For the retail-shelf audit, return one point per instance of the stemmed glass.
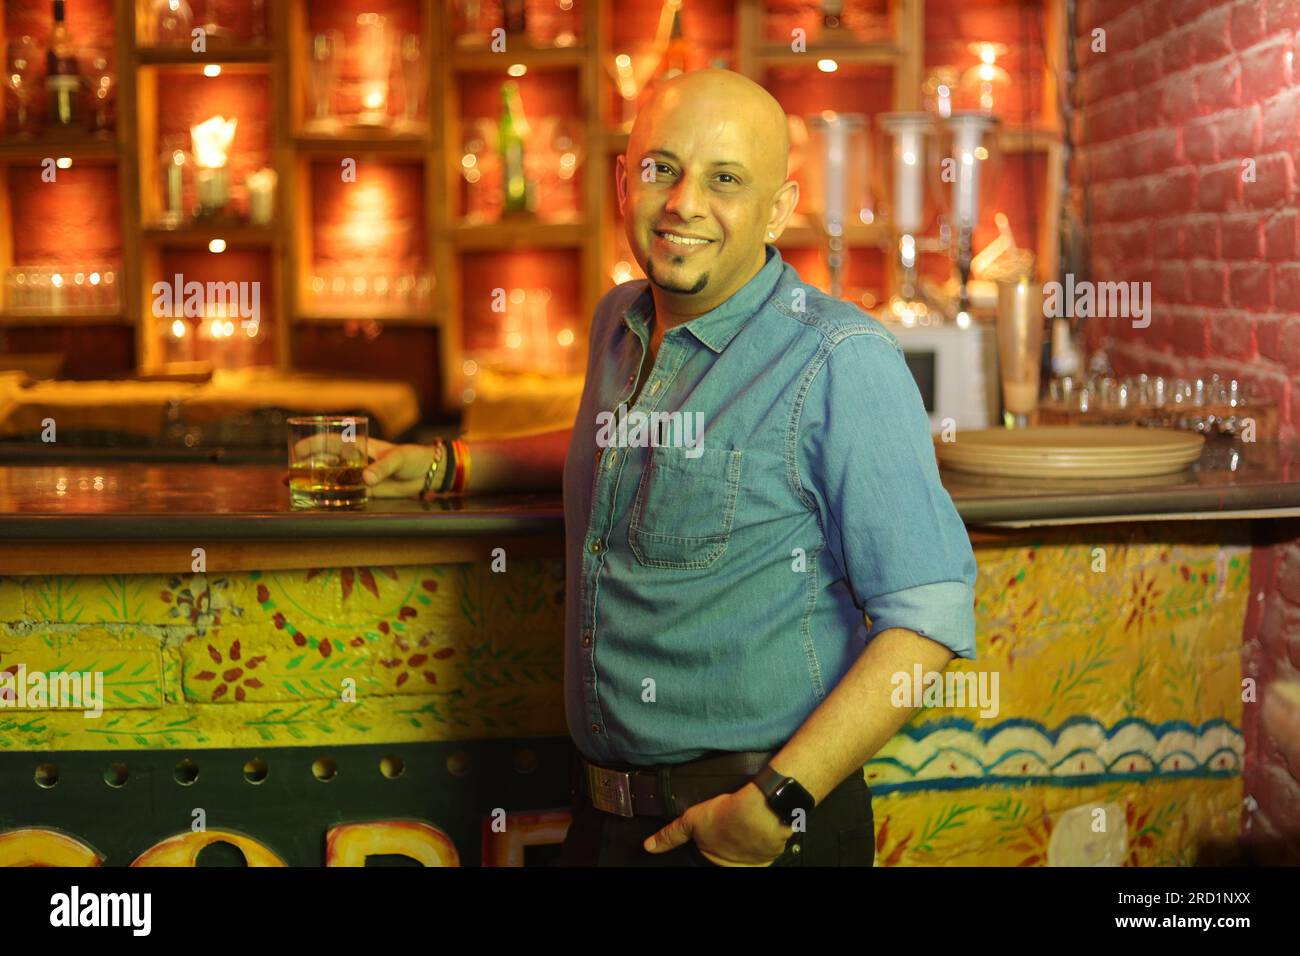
(23, 58)
(631, 72)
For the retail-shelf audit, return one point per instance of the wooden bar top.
(174, 501)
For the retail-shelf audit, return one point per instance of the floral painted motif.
(349, 575)
(237, 673)
(416, 660)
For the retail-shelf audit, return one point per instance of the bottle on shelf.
(62, 77)
(832, 11)
(519, 192)
(514, 17)
(677, 56)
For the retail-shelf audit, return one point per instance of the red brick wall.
(1186, 92)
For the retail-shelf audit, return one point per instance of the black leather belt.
(668, 789)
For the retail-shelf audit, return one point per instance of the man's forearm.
(857, 718)
(529, 463)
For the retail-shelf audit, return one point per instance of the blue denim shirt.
(716, 586)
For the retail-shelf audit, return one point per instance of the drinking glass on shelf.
(326, 50)
(553, 23)
(480, 166)
(405, 289)
(567, 152)
(175, 179)
(22, 57)
(412, 80)
(102, 82)
(474, 25)
(212, 28)
(374, 65)
(111, 291)
(172, 21)
(1020, 340)
(259, 21)
(12, 301)
(58, 290)
(567, 20)
(42, 289)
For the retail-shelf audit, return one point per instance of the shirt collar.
(717, 327)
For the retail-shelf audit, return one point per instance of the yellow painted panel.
(1159, 823)
(106, 598)
(11, 599)
(128, 669)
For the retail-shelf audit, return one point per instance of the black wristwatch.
(785, 795)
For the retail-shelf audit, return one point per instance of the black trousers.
(839, 832)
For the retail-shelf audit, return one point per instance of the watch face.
(789, 797)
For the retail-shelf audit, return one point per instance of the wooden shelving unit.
(90, 317)
(296, 151)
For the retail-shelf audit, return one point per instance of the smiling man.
(721, 685)
(743, 584)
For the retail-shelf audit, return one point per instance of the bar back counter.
(386, 685)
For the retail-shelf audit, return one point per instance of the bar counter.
(225, 624)
(132, 502)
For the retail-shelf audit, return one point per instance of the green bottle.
(518, 191)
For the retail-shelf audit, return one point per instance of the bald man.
(757, 540)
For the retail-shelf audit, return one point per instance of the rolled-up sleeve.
(867, 458)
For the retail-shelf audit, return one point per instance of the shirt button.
(654, 387)
(613, 457)
(596, 546)
(595, 728)
(796, 848)
(586, 638)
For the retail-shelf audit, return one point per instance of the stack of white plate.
(1071, 451)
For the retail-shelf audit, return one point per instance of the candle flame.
(212, 139)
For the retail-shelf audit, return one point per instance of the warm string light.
(373, 65)
(986, 82)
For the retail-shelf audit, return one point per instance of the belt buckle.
(611, 790)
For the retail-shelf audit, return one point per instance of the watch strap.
(768, 780)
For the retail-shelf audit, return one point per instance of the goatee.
(700, 283)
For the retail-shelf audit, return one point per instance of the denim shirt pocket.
(685, 506)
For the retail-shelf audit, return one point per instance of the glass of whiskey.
(327, 454)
